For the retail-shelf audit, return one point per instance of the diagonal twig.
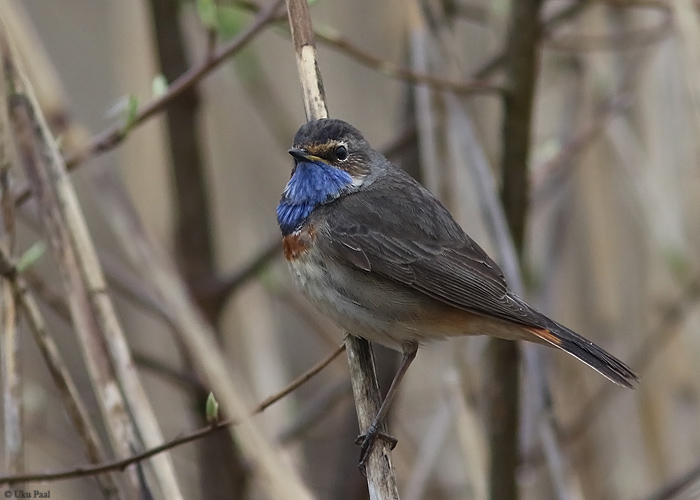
(105, 351)
(75, 407)
(188, 438)
(115, 135)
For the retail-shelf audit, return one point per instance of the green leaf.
(31, 256)
(208, 14)
(131, 112)
(159, 85)
(231, 21)
(212, 409)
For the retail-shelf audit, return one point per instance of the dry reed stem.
(110, 138)
(11, 370)
(13, 408)
(47, 87)
(116, 465)
(462, 134)
(104, 346)
(379, 469)
(68, 392)
(195, 333)
(471, 436)
(688, 25)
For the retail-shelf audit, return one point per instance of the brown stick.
(115, 135)
(379, 468)
(504, 388)
(13, 408)
(33, 151)
(116, 465)
(75, 407)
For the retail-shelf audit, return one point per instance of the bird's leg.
(367, 440)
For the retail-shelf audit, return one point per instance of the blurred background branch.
(607, 234)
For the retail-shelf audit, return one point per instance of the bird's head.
(331, 159)
(335, 143)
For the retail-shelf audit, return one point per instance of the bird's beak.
(303, 155)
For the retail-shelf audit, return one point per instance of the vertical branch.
(276, 477)
(365, 388)
(193, 233)
(12, 384)
(305, 49)
(75, 407)
(504, 386)
(521, 74)
(379, 470)
(123, 400)
(101, 374)
(222, 475)
(11, 369)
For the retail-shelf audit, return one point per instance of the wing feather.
(398, 230)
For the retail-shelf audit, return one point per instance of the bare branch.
(75, 407)
(104, 347)
(117, 465)
(504, 386)
(379, 467)
(114, 136)
(13, 408)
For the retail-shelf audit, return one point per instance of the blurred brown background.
(612, 243)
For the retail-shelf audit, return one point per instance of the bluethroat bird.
(377, 253)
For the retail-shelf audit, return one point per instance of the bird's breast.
(297, 244)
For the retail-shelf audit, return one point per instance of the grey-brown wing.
(406, 235)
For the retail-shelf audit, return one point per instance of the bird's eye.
(341, 153)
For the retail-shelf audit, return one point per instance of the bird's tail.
(586, 351)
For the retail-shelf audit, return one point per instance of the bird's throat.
(312, 184)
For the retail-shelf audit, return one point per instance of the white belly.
(359, 304)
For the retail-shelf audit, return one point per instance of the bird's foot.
(367, 440)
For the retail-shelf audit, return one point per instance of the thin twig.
(391, 69)
(75, 407)
(104, 347)
(556, 19)
(682, 484)
(396, 71)
(549, 177)
(653, 346)
(196, 335)
(632, 39)
(13, 408)
(225, 286)
(117, 465)
(112, 137)
(317, 407)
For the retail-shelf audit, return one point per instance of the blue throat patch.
(311, 185)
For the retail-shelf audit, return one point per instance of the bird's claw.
(366, 442)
